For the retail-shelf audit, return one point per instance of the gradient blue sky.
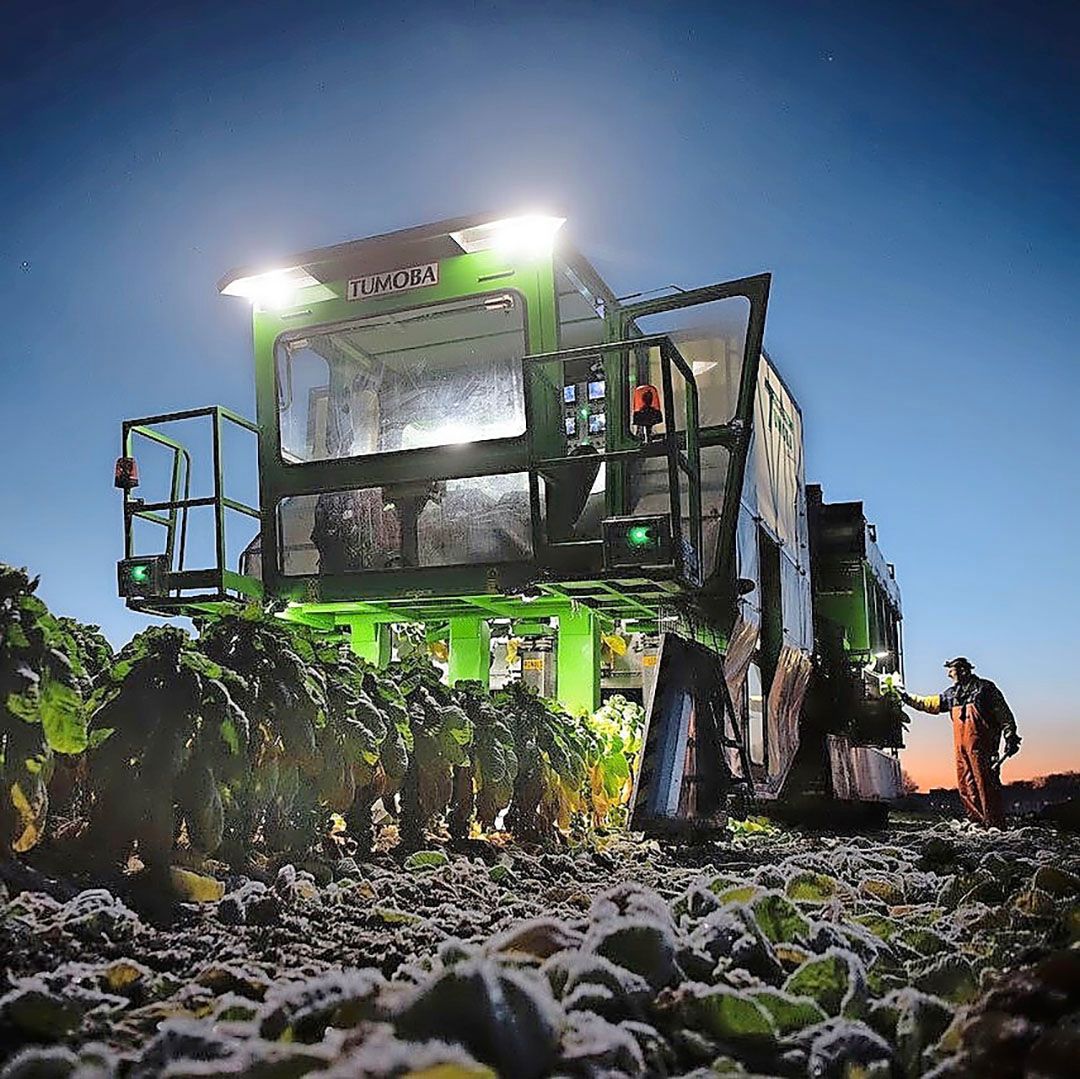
(906, 171)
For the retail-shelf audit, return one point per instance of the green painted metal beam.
(470, 651)
(370, 640)
(578, 668)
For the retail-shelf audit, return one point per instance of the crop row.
(260, 736)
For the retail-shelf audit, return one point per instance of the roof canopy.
(420, 244)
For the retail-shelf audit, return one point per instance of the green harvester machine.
(459, 427)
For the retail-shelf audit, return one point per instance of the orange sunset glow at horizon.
(1046, 750)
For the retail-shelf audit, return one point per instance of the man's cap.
(960, 661)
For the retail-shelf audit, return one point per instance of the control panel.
(584, 404)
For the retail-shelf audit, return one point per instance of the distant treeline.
(1023, 796)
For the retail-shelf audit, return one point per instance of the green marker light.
(140, 574)
(639, 536)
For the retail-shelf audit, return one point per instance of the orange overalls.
(979, 717)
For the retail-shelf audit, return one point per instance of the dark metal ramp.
(694, 760)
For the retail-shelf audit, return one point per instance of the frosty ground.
(926, 948)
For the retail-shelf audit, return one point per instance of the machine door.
(719, 330)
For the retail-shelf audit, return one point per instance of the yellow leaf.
(31, 816)
(439, 650)
(194, 887)
(614, 643)
(121, 974)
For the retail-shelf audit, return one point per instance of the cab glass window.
(431, 376)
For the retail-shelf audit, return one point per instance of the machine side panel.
(774, 499)
(776, 471)
(862, 773)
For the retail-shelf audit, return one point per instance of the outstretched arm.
(931, 704)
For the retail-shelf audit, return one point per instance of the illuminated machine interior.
(460, 426)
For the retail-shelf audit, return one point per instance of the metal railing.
(172, 513)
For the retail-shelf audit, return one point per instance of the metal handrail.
(181, 501)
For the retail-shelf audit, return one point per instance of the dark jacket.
(966, 699)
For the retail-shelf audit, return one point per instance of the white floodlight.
(531, 235)
(272, 290)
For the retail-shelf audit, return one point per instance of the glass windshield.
(431, 376)
(443, 523)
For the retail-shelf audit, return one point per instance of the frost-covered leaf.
(302, 1012)
(848, 1048)
(739, 893)
(779, 919)
(502, 1017)
(38, 1012)
(890, 892)
(591, 1045)
(787, 1012)
(950, 977)
(912, 1021)
(810, 887)
(639, 944)
(922, 940)
(835, 980)
(539, 937)
(723, 1013)
(1056, 882)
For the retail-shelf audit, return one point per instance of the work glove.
(1011, 748)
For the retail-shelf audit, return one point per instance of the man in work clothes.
(980, 717)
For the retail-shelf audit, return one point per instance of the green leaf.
(808, 887)
(741, 893)
(924, 941)
(23, 705)
(230, 736)
(426, 859)
(391, 916)
(878, 924)
(198, 663)
(834, 980)
(788, 1013)
(779, 919)
(62, 718)
(98, 735)
(950, 977)
(728, 1014)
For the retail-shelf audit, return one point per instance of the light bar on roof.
(273, 289)
(532, 234)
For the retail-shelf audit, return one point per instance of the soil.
(767, 953)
